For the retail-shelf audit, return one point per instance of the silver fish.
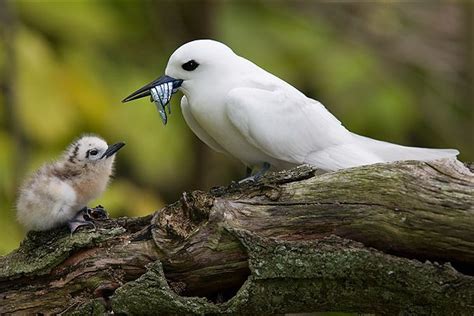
(161, 96)
(156, 96)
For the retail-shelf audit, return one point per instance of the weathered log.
(357, 240)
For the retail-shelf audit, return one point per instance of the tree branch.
(352, 240)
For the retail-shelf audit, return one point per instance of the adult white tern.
(237, 108)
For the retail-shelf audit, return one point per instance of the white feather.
(393, 152)
(47, 202)
(238, 108)
(202, 134)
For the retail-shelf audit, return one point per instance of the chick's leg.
(80, 219)
(97, 213)
(86, 217)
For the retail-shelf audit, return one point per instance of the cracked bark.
(385, 239)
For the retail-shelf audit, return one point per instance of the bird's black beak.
(164, 81)
(112, 149)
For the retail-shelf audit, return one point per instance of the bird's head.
(200, 64)
(199, 60)
(91, 150)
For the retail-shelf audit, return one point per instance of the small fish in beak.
(160, 92)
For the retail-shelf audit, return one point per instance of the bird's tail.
(392, 152)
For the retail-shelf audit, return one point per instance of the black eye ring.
(94, 152)
(190, 65)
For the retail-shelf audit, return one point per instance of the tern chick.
(58, 192)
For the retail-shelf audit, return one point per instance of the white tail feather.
(393, 152)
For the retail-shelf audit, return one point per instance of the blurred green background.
(401, 72)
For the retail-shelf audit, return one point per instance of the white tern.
(58, 192)
(239, 109)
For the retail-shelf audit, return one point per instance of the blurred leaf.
(44, 113)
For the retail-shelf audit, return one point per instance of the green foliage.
(73, 61)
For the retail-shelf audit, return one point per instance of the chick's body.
(55, 193)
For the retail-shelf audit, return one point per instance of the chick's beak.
(166, 84)
(112, 149)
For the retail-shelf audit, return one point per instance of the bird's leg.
(97, 213)
(79, 220)
(248, 172)
(265, 167)
(254, 178)
(86, 217)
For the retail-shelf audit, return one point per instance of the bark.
(386, 239)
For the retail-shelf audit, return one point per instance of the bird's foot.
(257, 176)
(97, 213)
(248, 172)
(79, 220)
(251, 179)
(86, 217)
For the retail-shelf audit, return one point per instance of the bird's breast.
(89, 188)
(211, 116)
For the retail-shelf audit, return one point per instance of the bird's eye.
(94, 152)
(190, 65)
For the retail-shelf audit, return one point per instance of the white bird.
(58, 193)
(239, 109)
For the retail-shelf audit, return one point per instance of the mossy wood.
(386, 239)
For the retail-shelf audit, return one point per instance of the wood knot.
(196, 205)
(177, 287)
(179, 220)
(106, 290)
(271, 192)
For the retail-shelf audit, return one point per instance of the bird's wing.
(196, 128)
(288, 126)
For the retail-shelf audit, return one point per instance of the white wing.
(288, 126)
(197, 129)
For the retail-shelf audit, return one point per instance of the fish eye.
(190, 65)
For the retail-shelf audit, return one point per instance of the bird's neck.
(88, 180)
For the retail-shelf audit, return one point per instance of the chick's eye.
(94, 152)
(190, 65)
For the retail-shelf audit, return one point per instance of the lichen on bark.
(325, 275)
(41, 251)
(150, 294)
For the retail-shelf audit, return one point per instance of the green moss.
(151, 295)
(332, 274)
(345, 276)
(41, 251)
(92, 308)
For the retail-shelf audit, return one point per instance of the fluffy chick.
(58, 192)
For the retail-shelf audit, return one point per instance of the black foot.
(251, 179)
(254, 178)
(97, 213)
(86, 217)
(81, 219)
(248, 172)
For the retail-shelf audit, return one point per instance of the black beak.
(112, 149)
(145, 90)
